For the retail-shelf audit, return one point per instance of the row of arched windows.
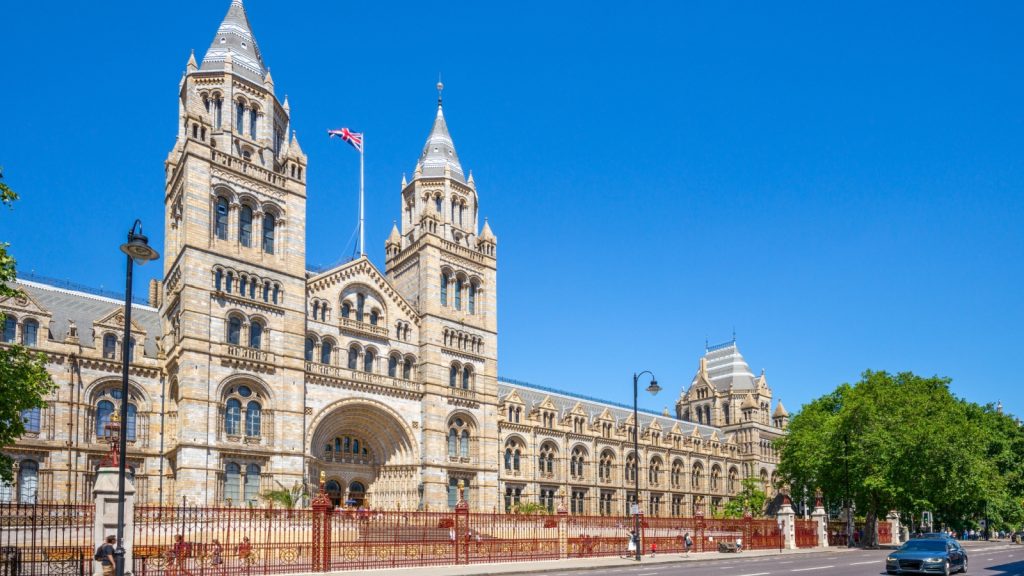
(29, 331)
(326, 351)
(463, 341)
(460, 376)
(461, 287)
(246, 285)
(247, 215)
(359, 310)
(243, 412)
(251, 332)
(111, 345)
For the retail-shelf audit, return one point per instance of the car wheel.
(964, 569)
(945, 568)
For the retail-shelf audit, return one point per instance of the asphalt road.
(984, 559)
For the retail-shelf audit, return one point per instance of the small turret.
(192, 66)
(393, 245)
(780, 418)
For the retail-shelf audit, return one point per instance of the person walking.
(631, 545)
(217, 556)
(182, 550)
(687, 543)
(105, 555)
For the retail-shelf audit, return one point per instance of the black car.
(927, 556)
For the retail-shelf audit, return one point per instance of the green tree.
(751, 498)
(24, 381)
(891, 442)
(286, 497)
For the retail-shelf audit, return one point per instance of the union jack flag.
(353, 138)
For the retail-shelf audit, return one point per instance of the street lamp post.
(653, 388)
(137, 250)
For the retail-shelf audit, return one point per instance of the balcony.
(363, 328)
(345, 458)
(355, 376)
(253, 356)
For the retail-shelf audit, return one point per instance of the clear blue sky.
(843, 184)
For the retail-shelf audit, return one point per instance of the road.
(984, 559)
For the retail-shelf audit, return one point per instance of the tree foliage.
(286, 497)
(24, 381)
(751, 498)
(902, 442)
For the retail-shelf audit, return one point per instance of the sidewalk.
(569, 564)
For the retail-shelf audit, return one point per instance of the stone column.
(787, 521)
(563, 527)
(105, 518)
(894, 526)
(821, 518)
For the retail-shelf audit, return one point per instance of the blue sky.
(840, 184)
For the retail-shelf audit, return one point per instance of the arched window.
(252, 482)
(240, 118)
(131, 349)
(130, 423)
(28, 481)
(677, 474)
(360, 306)
(268, 233)
(326, 349)
(467, 373)
(221, 219)
(310, 345)
(630, 470)
(546, 459)
(453, 376)
(604, 470)
(255, 335)
(508, 459)
(368, 358)
(218, 279)
(472, 298)
(695, 477)
(437, 204)
(453, 440)
(30, 332)
(234, 330)
(104, 410)
(109, 346)
(232, 416)
(253, 417)
(464, 444)
(458, 293)
(30, 418)
(577, 461)
(10, 329)
(353, 357)
(654, 471)
(266, 292)
(407, 368)
(252, 122)
(392, 365)
(228, 282)
(444, 288)
(232, 477)
(245, 226)
(346, 310)
(373, 317)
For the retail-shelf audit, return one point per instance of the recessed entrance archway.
(369, 452)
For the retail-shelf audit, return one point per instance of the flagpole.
(362, 239)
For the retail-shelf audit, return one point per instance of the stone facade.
(250, 372)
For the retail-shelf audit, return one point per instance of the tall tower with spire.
(440, 260)
(233, 296)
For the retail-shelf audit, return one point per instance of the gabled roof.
(361, 267)
(235, 38)
(439, 152)
(86, 310)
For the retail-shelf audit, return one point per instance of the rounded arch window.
(30, 332)
(407, 367)
(393, 361)
(453, 375)
(234, 330)
(310, 345)
(368, 358)
(467, 376)
(326, 350)
(221, 218)
(243, 411)
(353, 357)
(458, 438)
(256, 334)
(546, 459)
(245, 226)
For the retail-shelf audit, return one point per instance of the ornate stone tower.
(233, 305)
(445, 267)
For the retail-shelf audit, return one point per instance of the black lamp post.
(137, 250)
(653, 388)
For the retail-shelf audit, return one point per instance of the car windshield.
(932, 545)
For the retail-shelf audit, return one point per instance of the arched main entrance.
(368, 455)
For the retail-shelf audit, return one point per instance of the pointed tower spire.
(235, 35)
(191, 66)
(439, 157)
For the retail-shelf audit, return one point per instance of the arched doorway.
(369, 452)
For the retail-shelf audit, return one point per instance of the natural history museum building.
(249, 372)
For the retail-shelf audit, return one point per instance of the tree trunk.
(870, 539)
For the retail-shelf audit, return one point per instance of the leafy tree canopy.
(751, 498)
(24, 380)
(903, 442)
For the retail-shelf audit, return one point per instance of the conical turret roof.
(235, 37)
(486, 234)
(439, 152)
(780, 411)
(395, 237)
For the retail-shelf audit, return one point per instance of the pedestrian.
(245, 553)
(217, 556)
(739, 545)
(105, 555)
(688, 543)
(182, 550)
(654, 549)
(631, 545)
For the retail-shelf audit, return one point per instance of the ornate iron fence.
(806, 533)
(45, 539)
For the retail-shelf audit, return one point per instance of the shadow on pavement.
(1015, 568)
